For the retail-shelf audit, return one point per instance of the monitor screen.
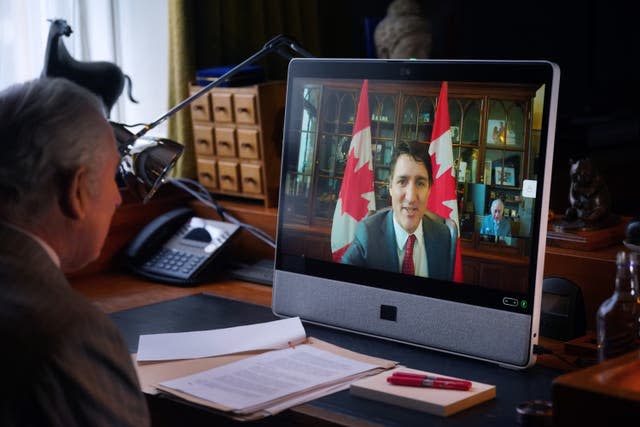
(414, 198)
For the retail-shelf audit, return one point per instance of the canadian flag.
(356, 196)
(442, 198)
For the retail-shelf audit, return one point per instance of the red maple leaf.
(441, 192)
(354, 186)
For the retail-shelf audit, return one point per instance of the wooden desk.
(114, 292)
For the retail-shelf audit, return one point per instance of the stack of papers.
(249, 372)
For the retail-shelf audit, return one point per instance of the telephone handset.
(179, 248)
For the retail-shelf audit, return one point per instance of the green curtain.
(205, 34)
(181, 70)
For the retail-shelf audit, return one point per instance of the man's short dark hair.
(417, 150)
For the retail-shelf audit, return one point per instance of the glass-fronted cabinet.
(418, 113)
(328, 117)
(383, 109)
(464, 115)
(300, 170)
(490, 133)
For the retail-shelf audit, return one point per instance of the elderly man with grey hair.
(496, 224)
(64, 363)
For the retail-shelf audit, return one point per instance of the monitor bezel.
(521, 72)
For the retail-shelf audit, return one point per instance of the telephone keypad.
(190, 255)
(172, 260)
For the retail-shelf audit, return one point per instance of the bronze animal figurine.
(589, 196)
(103, 78)
(404, 32)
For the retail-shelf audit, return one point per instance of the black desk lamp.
(147, 161)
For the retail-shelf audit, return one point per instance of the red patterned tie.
(407, 262)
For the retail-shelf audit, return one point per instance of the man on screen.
(496, 224)
(406, 238)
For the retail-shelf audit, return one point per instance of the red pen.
(422, 380)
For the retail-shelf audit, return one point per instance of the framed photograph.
(505, 176)
(496, 132)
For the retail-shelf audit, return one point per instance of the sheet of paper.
(190, 345)
(260, 381)
(280, 406)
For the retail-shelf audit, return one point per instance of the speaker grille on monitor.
(478, 332)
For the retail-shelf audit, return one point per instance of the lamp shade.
(145, 162)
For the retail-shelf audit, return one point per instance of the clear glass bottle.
(618, 320)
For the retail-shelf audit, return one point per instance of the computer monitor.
(345, 121)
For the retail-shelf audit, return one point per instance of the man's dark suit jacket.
(63, 362)
(374, 245)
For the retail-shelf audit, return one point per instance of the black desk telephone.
(180, 248)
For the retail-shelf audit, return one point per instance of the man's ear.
(73, 195)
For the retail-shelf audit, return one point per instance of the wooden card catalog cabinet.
(237, 140)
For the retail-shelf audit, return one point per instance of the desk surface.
(138, 306)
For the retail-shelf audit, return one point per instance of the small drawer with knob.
(226, 141)
(245, 108)
(251, 175)
(222, 104)
(207, 173)
(248, 143)
(201, 107)
(228, 175)
(204, 138)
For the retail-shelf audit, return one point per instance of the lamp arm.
(272, 45)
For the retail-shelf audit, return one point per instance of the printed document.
(262, 381)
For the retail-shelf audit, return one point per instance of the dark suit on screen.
(63, 361)
(374, 245)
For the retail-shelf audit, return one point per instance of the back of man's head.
(48, 129)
